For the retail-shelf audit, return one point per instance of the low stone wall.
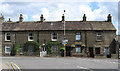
(100, 56)
(114, 56)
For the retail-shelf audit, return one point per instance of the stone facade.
(89, 45)
(22, 38)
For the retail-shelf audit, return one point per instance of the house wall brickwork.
(21, 37)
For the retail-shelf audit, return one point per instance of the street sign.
(64, 41)
(72, 45)
(64, 44)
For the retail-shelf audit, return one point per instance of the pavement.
(21, 63)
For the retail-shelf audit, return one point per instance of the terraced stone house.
(85, 38)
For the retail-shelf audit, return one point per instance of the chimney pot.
(109, 19)
(21, 18)
(41, 18)
(63, 18)
(84, 17)
(9, 19)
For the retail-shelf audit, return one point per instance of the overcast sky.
(53, 10)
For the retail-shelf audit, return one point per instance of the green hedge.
(31, 43)
(50, 44)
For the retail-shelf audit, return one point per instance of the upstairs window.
(30, 37)
(7, 36)
(54, 36)
(78, 36)
(99, 36)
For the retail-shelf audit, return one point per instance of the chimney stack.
(1, 18)
(84, 17)
(63, 18)
(9, 20)
(41, 18)
(21, 18)
(109, 18)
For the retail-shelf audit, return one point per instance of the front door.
(91, 52)
(68, 51)
(43, 52)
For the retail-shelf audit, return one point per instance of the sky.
(52, 10)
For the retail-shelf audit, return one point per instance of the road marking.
(81, 67)
(15, 66)
(12, 66)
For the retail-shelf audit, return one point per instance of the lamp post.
(64, 23)
(64, 42)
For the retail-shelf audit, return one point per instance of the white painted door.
(43, 52)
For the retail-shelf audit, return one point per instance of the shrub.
(50, 44)
(33, 44)
(17, 47)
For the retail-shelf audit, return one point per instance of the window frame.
(78, 34)
(7, 46)
(79, 48)
(52, 36)
(30, 36)
(97, 49)
(107, 51)
(97, 36)
(54, 48)
(7, 35)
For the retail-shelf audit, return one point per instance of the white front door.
(43, 52)
(106, 50)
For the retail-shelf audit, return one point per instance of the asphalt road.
(62, 63)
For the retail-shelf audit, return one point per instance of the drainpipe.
(38, 36)
(86, 42)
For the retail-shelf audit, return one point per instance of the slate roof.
(57, 25)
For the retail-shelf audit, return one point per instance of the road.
(62, 63)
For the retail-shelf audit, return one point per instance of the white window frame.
(108, 50)
(6, 50)
(79, 49)
(7, 35)
(53, 36)
(99, 36)
(30, 36)
(78, 34)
